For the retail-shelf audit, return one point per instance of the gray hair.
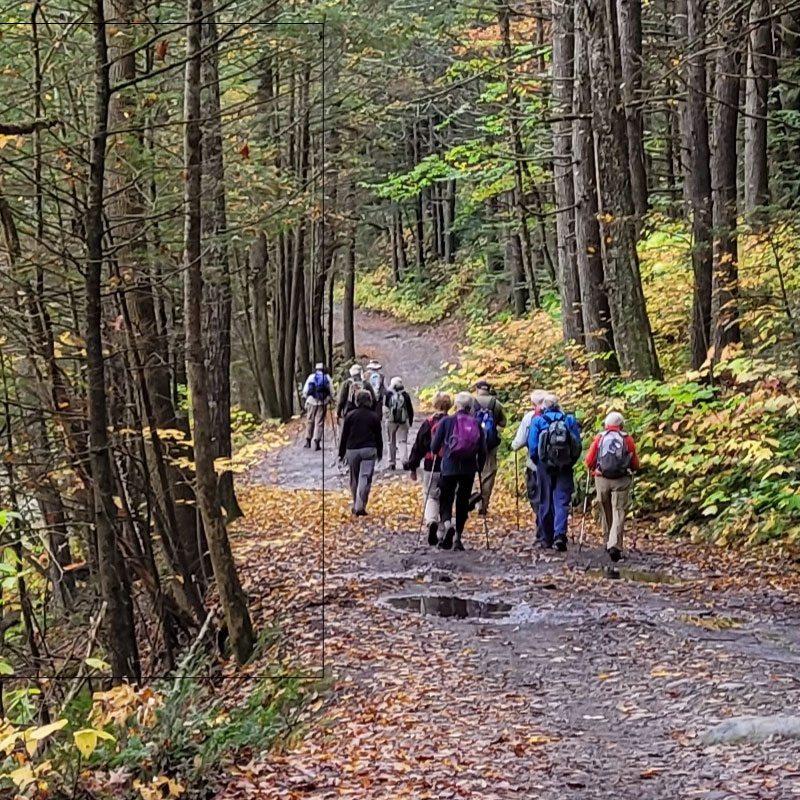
(614, 420)
(396, 383)
(550, 401)
(363, 398)
(537, 397)
(463, 401)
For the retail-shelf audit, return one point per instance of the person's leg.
(310, 422)
(430, 493)
(354, 463)
(463, 491)
(391, 435)
(402, 442)
(620, 490)
(562, 497)
(366, 469)
(487, 479)
(545, 517)
(319, 422)
(603, 487)
(447, 493)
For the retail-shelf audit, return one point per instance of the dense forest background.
(605, 194)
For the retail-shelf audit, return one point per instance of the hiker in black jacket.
(362, 446)
(431, 464)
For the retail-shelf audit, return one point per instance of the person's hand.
(413, 474)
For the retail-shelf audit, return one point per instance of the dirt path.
(584, 686)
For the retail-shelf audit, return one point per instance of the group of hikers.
(455, 448)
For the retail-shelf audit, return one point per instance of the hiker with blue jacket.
(462, 442)
(318, 393)
(554, 445)
(492, 418)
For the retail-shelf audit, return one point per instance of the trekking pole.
(484, 515)
(334, 428)
(585, 504)
(635, 536)
(425, 502)
(516, 485)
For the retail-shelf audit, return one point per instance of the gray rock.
(752, 729)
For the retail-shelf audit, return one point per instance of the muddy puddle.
(635, 575)
(449, 606)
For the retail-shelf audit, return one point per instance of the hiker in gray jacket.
(399, 419)
(521, 440)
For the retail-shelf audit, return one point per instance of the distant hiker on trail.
(318, 393)
(400, 418)
(362, 446)
(347, 394)
(554, 444)
(463, 442)
(492, 418)
(613, 460)
(520, 441)
(431, 464)
(377, 382)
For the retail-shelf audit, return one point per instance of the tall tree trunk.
(232, 597)
(598, 331)
(633, 336)
(347, 302)
(258, 261)
(725, 289)
(681, 34)
(563, 56)
(630, 42)
(759, 70)
(698, 179)
(120, 630)
(516, 271)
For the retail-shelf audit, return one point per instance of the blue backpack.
(320, 390)
(486, 420)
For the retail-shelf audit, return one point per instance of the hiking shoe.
(361, 513)
(317, 446)
(447, 542)
(458, 544)
(433, 537)
(543, 545)
(614, 553)
(392, 467)
(308, 443)
(560, 543)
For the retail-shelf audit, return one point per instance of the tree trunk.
(725, 290)
(232, 598)
(598, 332)
(569, 283)
(258, 260)
(118, 623)
(630, 42)
(347, 302)
(633, 337)
(698, 180)
(759, 68)
(516, 271)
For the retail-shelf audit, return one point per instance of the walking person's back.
(400, 418)
(491, 416)
(350, 388)
(318, 393)
(520, 441)
(361, 445)
(613, 460)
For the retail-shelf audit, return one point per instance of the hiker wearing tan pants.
(612, 496)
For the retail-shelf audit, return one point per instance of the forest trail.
(588, 687)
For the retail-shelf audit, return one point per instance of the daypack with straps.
(397, 407)
(486, 420)
(431, 457)
(557, 447)
(465, 437)
(376, 379)
(613, 456)
(320, 388)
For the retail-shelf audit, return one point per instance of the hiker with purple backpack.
(463, 444)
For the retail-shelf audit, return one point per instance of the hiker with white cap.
(318, 393)
(377, 382)
(612, 458)
(399, 421)
(347, 394)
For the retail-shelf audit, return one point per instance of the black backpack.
(613, 456)
(557, 446)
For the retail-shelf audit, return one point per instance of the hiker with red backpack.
(554, 444)
(399, 420)
(463, 444)
(492, 418)
(612, 458)
(318, 393)
(431, 464)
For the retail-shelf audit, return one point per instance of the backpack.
(464, 438)
(355, 385)
(320, 389)
(486, 420)
(557, 446)
(430, 457)
(613, 456)
(397, 407)
(376, 379)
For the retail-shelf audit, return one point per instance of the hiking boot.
(317, 446)
(307, 444)
(458, 544)
(543, 545)
(361, 513)
(474, 500)
(614, 553)
(447, 542)
(433, 537)
(560, 543)
(392, 467)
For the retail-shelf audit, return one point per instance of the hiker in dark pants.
(464, 454)
(362, 445)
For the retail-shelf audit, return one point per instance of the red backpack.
(430, 457)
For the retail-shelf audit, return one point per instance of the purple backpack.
(464, 438)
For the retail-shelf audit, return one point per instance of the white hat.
(355, 369)
(396, 383)
(319, 366)
(615, 420)
(373, 365)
